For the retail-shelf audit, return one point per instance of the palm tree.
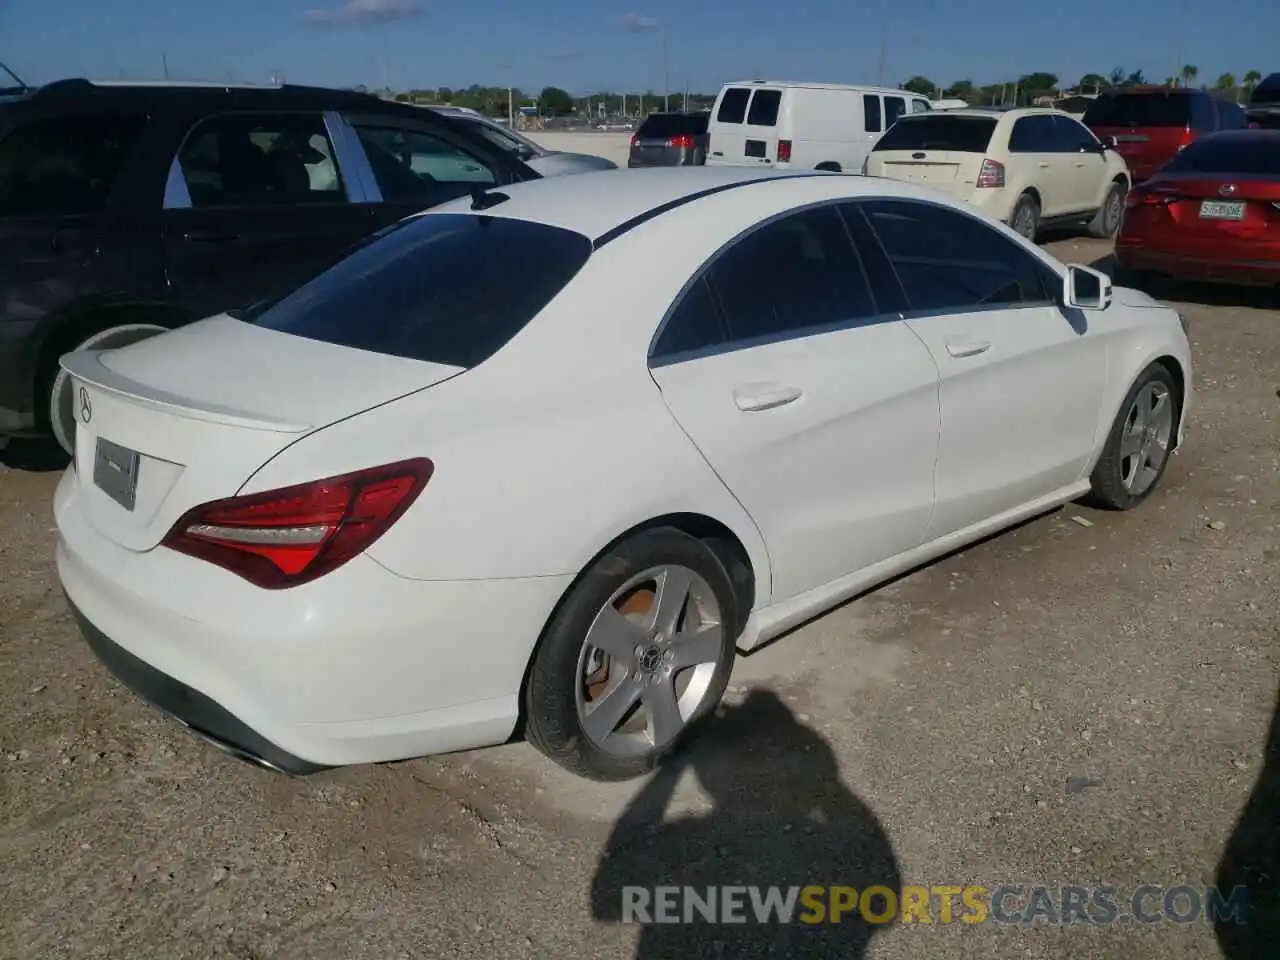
(1189, 74)
(1251, 80)
(1226, 84)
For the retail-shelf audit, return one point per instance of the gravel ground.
(1085, 700)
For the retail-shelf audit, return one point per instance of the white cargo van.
(807, 126)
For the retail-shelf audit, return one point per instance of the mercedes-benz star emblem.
(86, 406)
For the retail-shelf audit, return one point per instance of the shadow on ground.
(1205, 294)
(781, 817)
(33, 456)
(1252, 860)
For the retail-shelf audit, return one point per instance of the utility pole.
(884, 42)
(164, 59)
(666, 74)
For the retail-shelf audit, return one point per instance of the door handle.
(1043, 164)
(763, 396)
(1079, 163)
(209, 236)
(967, 348)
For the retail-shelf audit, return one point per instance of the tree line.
(1026, 89)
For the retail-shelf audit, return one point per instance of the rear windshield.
(446, 288)
(1234, 157)
(1139, 110)
(1268, 91)
(665, 125)
(939, 132)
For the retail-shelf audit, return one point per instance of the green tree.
(921, 85)
(1188, 74)
(961, 90)
(1226, 83)
(555, 102)
(1250, 82)
(1094, 82)
(1033, 84)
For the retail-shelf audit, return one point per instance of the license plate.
(1221, 210)
(115, 472)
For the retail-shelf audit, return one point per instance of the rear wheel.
(1137, 449)
(640, 649)
(60, 404)
(1025, 219)
(1107, 220)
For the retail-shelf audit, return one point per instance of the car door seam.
(937, 445)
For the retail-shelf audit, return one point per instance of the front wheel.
(60, 402)
(1137, 449)
(640, 649)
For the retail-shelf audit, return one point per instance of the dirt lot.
(1069, 703)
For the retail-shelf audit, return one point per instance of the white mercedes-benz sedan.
(458, 488)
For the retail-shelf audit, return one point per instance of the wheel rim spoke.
(1131, 443)
(611, 709)
(701, 646)
(615, 635)
(673, 594)
(665, 721)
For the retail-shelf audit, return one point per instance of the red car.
(1212, 213)
(1151, 124)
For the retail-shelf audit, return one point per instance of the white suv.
(1030, 167)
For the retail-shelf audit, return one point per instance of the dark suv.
(130, 209)
(1151, 124)
(1264, 105)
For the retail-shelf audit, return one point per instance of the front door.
(1021, 382)
(818, 412)
(256, 205)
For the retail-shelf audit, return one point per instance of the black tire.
(553, 724)
(830, 166)
(1027, 206)
(1106, 222)
(1107, 488)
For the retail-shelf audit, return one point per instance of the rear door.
(255, 205)
(815, 405)
(1021, 383)
(744, 131)
(1036, 160)
(1086, 177)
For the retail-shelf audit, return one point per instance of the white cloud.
(363, 11)
(637, 23)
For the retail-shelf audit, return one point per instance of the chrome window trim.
(353, 163)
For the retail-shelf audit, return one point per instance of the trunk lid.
(1222, 208)
(187, 417)
(953, 172)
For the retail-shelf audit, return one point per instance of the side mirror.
(1086, 289)
(1109, 143)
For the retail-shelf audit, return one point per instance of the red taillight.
(683, 140)
(784, 151)
(635, 141)
(1186, 139)
(991, 174)
(285, 537)
(1149, 198)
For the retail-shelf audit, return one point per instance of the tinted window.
(663, 125)
(894, 107)
(1230, 116)
(733, 105)
(256, 159)
(797, 272)
(415, 167)
(871, 113)
(764, 108)
(448, 288)
(1033, 135)
(937, 131)
(951, 262)
(1229, 156)
(1071, 137)
(693, 325)
(921, 106)
(1202, 114)
(1139, 110)
(66, 165)
(1268, 91)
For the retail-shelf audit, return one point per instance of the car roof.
(597, 204)
(1243, 136)
(805, 84)
(78, 93)
(988, 113)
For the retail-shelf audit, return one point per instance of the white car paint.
(557, 444)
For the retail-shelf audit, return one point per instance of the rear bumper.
(1222, 268)
(367, 667)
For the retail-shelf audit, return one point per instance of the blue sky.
(586, 46)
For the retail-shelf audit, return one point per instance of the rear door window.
(894, 107)
(260, 160)
(1139, 110)
(764, 108)
(1033, 134)
(939, 131)
(872, 113)
(445, 288)
(65, 165)
(412, 166)
(733, 105)
(1071, 136)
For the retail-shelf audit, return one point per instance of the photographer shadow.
(781, 818)
(1252, 860)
